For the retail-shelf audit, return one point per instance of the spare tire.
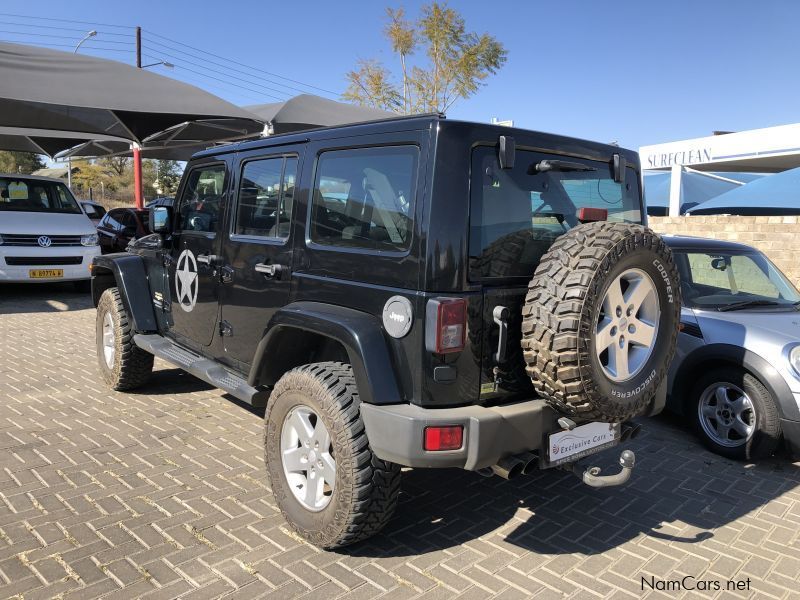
(600, 321)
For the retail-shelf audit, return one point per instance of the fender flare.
(134, 288)
(359, 333)
(767, 374)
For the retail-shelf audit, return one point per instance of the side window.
(266, 195)
(113, 220)
(201, 203)
(363, 198)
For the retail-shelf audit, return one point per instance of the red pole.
(137, 157)
(137, 176)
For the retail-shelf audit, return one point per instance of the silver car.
(736, 374)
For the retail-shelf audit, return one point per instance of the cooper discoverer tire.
(358, 491)
(600, 321)
(123, 365)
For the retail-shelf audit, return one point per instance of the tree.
(20, 162)
(456, 63)
(117, 164)
(168, 176)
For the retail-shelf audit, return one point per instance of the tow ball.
(591, 475)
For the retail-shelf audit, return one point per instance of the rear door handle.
(207, 259)
(269, 271)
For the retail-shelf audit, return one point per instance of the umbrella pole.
(137, 176)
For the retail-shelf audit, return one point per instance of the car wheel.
(123, 365)
(735, 415)
(330, 487)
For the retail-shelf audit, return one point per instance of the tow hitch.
(591, 476)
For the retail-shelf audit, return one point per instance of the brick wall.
(777, 237)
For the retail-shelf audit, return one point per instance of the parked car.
(736, 374)
(44, 234)
(415, 291)
(121, 225)
(162, 201)
(93, 210)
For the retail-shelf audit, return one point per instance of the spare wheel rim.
(627, 329)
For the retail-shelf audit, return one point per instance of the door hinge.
(225, 329)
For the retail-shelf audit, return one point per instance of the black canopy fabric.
(48, 142)
(47, 89)
(308, 111)
(165, 151)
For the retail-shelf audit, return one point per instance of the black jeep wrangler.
(411, 292)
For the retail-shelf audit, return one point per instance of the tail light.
(445, 325)
(449, 437)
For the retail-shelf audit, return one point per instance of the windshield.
(36, 195)
(528, 207)
(717, 280)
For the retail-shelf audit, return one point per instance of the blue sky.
(638, 72)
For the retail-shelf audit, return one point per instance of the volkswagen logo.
(44, 241)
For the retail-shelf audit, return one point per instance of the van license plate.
(45, 273)
(569, 446)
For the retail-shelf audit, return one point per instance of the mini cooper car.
(736, 373)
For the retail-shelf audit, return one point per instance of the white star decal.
(186, 283)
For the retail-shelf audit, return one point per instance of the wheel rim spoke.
(643, 334)
(302, 425)
(722, 395)
(620, 362)
(328, 469)
(294, 461)
(638, 292)
(604, 337)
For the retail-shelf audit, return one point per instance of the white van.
(44, 234)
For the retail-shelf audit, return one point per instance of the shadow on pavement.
(171, 381)
(21, 298)
(678, 493)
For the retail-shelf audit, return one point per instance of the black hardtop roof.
(523, 137)
(699, 244)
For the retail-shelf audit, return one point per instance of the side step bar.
(203, 368)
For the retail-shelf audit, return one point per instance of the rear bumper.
(395, 432)
(791, 434)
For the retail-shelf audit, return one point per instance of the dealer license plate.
(569, 446)
(45, 273)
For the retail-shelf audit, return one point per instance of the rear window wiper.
(558, 165)
(748, 304)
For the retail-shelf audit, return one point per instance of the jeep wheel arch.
(359, 333)
(127, 273)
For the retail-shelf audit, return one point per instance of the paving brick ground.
(162, 494)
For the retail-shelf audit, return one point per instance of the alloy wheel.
(726, 414)
(627, 329)
(307, 458)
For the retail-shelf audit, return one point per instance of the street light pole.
(90, 34)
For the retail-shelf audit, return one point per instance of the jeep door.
(257, 253)
(192, 261)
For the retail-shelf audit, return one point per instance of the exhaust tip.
(509, 468)
(531, 462)
(636, 429)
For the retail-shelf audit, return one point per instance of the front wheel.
(123, 365)
(330, 487)
(735, 415)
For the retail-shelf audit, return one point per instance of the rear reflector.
(450, 437)
(446, 325)
(592, 215)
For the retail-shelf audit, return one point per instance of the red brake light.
(451, 325)
(592, 215)
(450, 437)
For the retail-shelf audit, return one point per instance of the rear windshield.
(516, 214)
(34, 195)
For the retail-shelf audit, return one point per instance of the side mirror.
(160, 219)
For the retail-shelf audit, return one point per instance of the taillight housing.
(448, 437)
(445, 325)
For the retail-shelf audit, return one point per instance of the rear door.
(257, 254)
(192, 268)
(515, 216)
